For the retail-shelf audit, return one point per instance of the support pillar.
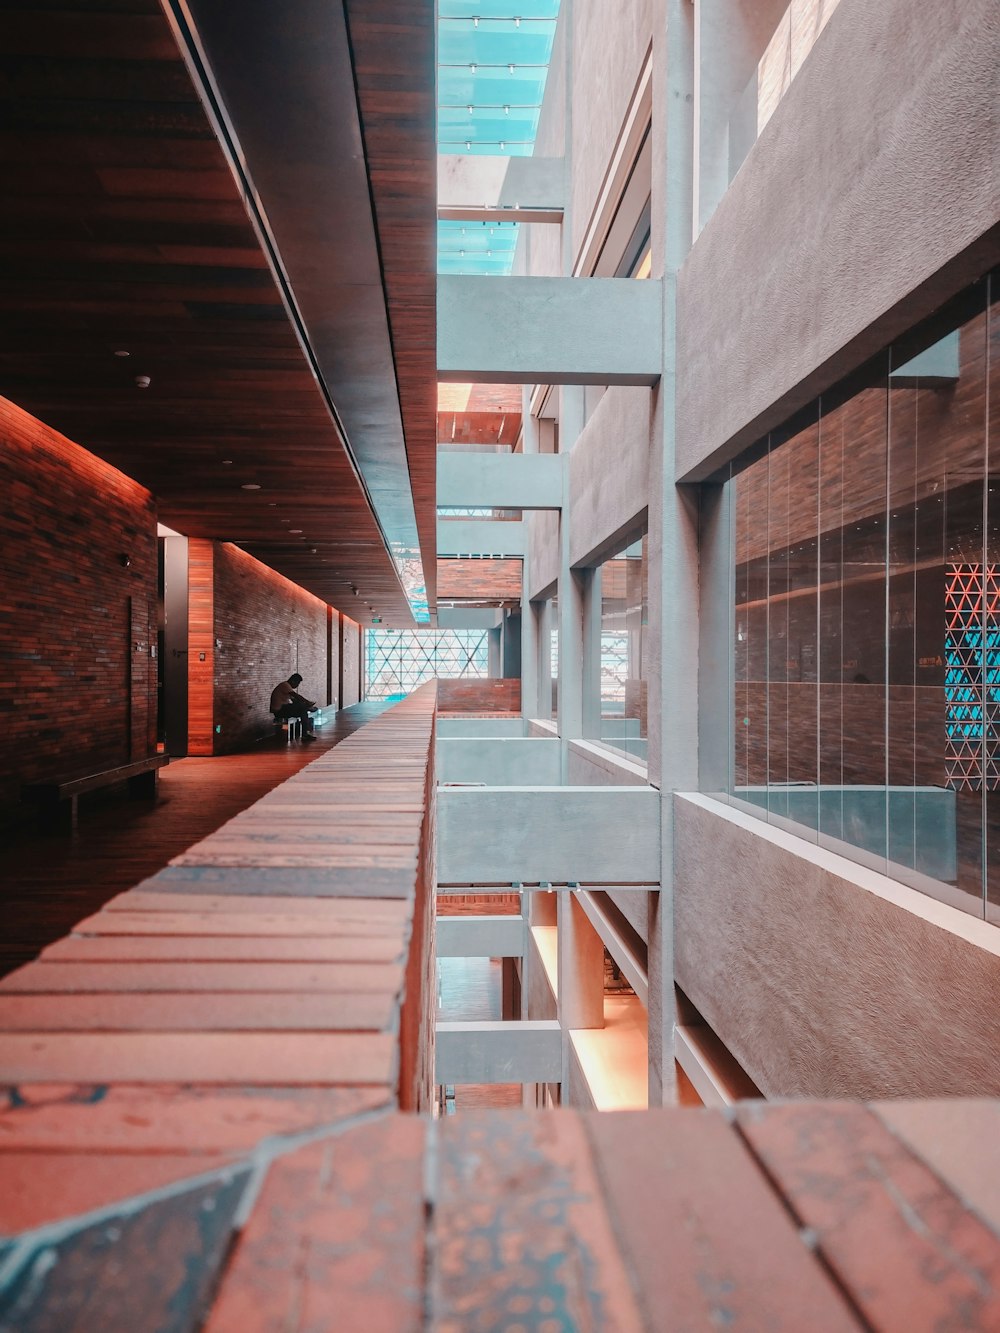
(571, 583)
(529, 658)
(495, 664)
(592, 607)
(544, 668)
(581, 977)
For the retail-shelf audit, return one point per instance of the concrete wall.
(844, 227)
(609, 475)
(609, 45)
(71, 613)
(825, 979)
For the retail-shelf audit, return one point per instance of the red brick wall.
(479, 696)
(75, 694)
(265, 627)
(350, 648)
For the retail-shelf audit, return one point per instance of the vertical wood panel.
(201, 649)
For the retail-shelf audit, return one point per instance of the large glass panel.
(792, 705)
(750, 638)
(397, 661)
(993, 604)
(866, 653)
(624, 616)
(853, 640)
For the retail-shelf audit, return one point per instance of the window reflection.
(866, 552)
(624, 616)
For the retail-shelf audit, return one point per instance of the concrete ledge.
(587, 835)
(527, 1052)
(480, 936)
(549, 330)
(825, 978)
(507, 761)
(502, 481)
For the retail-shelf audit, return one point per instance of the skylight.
(493, 58)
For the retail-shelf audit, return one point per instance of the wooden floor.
(51, 881)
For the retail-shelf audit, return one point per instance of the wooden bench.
(59, 797)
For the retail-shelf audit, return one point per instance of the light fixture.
(472, 69)
(510, 68)
(226, 462)
(249, 486)
(506, 110)
(468, 145)
(142, 381)
(122, 353)
(475, 21)
(502, 145)
(469, 108)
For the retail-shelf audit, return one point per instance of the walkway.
(52, 882)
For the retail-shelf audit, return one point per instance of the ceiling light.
(506, 110)
(123, 353)
(470, 108)
(510, 69)
(142, 381)
(249, 486)
(472, 69)
(468, 145)
(295, 531)
(226, 462)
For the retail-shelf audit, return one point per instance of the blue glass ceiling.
(493, 56)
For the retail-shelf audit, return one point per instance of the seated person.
(286, 703)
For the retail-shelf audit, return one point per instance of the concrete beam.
(471, 618)
(479, 936)
(499, 214)
(549, 330)
(480, 726)
(528, 1052)
(471, 536)
(590, 835)
(507, 761)
(496, 182)
(499, 481)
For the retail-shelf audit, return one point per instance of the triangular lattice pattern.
(972, 676)
(400, 660)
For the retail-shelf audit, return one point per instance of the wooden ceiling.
(123, 230)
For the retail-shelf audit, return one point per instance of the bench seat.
(140, 774)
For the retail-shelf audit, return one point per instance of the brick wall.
(75, 694)
(481, 579)
(265, 627)
(479, 696)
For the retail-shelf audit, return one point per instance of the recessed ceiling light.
(295, 531)
(226, 462)
(249, 486)
(122, 353)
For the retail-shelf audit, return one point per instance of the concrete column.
(571, 592)
(592, 654)
(544, 659)
(529, 424)
(673, 520)
(581, 976)
(494, 656)
(511, 638)
(529, 658)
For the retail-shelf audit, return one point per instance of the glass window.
(866, 644)
(624, 615)
(397, 661)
